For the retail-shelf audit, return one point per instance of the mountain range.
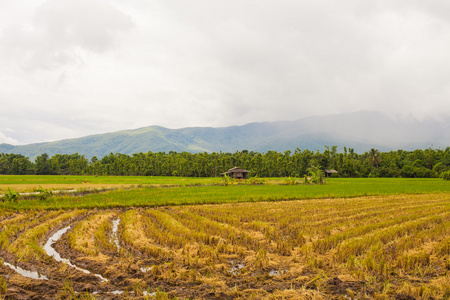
(360, 130)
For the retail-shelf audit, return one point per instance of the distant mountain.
(359, 130)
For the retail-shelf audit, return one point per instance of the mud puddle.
(26, 273)
(144, 293)
(277, 272)
(48, 247)
(114, 236)
(236, 268)
(146, 269)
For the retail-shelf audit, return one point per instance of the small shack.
(237, 172)
(328, 173)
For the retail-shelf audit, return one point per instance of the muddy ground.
(244, 259)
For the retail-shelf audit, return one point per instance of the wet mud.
(142, 258)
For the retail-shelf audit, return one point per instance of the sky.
(71, 68)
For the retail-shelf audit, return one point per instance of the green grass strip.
(150, 197)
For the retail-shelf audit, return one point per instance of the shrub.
(445, 175)
(43, 193)
(254, 181)
(227, 180)
(316, 174)
(10, 196)
(290, 181)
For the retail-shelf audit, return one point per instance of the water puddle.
(146, 269)
(117, 292)
(113, 292)
(144, 293)
(277, 272)
(115, 228)
(236, 268)
(52, 252)
(26, 273)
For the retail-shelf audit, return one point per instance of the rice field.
(366, 247)
(29, 183)
(207, 191)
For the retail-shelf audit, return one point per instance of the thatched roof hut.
(237, 172)
(330, 172)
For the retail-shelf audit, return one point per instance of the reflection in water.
(26, 273)
(115, 227)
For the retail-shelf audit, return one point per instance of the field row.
(368, 247)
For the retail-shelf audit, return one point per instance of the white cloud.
(7, 140)
(77, 67)
(61, 30)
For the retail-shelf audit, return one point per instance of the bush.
(254, 181)
(10, 196)
(445, 175)
(290, 181)
(316, 174)
(227, 180)
(43, 193)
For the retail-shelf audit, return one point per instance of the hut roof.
(331, 171)
(236, 170)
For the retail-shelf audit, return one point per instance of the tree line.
(419, 163)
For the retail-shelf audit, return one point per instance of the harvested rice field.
(378, 247)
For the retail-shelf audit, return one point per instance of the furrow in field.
(13, 231)
(325, 243)
(133, 230)
(231, 235)
(368, 247)
(358, 245)
(26, 246)
(14, 219)
(83, 239)
(319, 212)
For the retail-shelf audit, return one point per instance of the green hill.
(361, 131)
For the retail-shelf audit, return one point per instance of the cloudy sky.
(70, 68)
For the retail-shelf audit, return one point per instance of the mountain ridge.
(360, 130)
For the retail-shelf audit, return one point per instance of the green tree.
(375, 158)
(43, 165)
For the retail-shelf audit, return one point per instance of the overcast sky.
(70, 68)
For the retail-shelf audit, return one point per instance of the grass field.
(29, 183)
(347, 239)
(201, 191)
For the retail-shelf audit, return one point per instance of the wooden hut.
(237, 173)
(328, 173)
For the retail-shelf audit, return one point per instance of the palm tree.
(374, 157)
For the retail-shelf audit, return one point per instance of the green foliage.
(254, 181)
(227, 180)
(316, 175)
(290, 181)
(445, 175)
(43, 193)
(428, 163)
(10, 196)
